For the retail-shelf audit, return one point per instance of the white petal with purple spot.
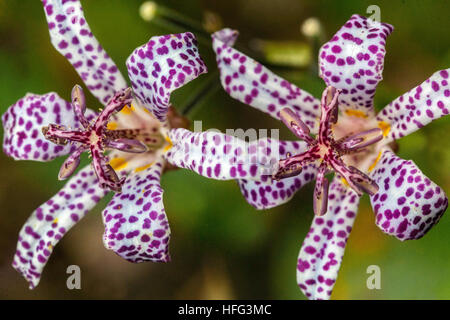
(23, 122)
(418, 107)
(136, 225)
(48, 223)
(162, 65)
(268, 193)
(324, 246)
(408, 203)
(251, 83)
(353, 61)
(223, 157)
(71, 36)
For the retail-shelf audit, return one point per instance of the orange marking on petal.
(345, 182)
(118, 163)
(170, 144)
(355, 113)
(127, 110)
(386, 127)
(144, 167)
(111, 126)
(372, 166)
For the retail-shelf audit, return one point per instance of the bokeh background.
(221, 247)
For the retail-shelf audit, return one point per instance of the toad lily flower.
(326, 152)
(351, 141)
(135, 129)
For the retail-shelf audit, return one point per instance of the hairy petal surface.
(48, 223)
(353, 61)
(136, 225)
(23, 122)
(407, 204)
(162, 65)
(323, 248)
(222, 157)
(71, 36)
(251, 83)
(268, 193)
(418, 107)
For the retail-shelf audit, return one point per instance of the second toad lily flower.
(355, 143)
(43, 127)
(327, 153)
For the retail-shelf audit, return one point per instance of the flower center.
(96, 138)
(327, 152)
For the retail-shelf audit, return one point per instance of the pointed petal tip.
(408, 203)
(320, 198)
(161, 66)
(322, 251)
(227, 36)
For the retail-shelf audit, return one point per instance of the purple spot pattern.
(323, 248)
(408, 203)
(419, 106)
(23, 140)
(353, 61)
(162, 65)
(136, 225)
(253, 84)
(23, 122)
(71, 36)
(224, 157)
(268, 193)
(48, 223)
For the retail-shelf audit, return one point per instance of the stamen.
(329, 104)
(128, 145)
(70, 164)
(293, 165)
(55, 139)
(79, 105)
(58, 135)
(356, 179)
(296, 125)
(320, 199)
(117, 102)
(326, 152)
(96, 138)
(361, 140)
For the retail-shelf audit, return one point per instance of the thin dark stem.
(165, 22)
(209, 85)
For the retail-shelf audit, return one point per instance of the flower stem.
(170, 19)
(208, 87)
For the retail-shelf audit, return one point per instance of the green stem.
(209, 86)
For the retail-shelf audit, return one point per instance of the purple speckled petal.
(353, 61)
(71, 36)
(23, 122)
(222, 157)
(269, 193)
(48, 223)
(323, 248)
(251, 83)
(161, 66)
(418, 107)
(408, 204)
(136, 225)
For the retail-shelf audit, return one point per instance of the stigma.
(95, 138)
(326, 152)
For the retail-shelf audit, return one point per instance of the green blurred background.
(221, 247)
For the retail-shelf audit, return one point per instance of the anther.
(360, 140)
(326, 153)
